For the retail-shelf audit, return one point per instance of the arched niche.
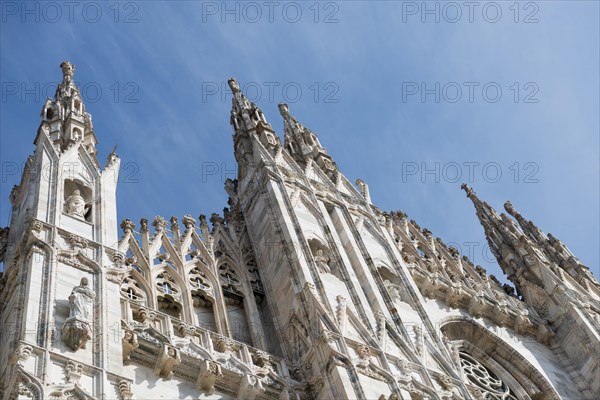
(321, 255)
(77, 200)
(387, 275)
(485, 357)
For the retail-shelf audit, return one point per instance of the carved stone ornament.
(169, 358)
(78, 242)
(210, 371)
(125, 389)
(488, 384)
(23, 353)
(130, 343)
(73, 371)
(225, 345)
(127, 225)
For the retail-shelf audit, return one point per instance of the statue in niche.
(395, 292)
(81, 301)
(77, 329)
(76, 206)
(322, 262)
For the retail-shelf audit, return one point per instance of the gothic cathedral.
(302, 289)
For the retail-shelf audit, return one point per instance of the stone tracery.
(484, 380)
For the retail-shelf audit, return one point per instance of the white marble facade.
(302, 289)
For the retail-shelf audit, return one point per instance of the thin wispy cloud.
(175, 129)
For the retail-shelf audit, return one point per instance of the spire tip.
(467, 189)
(233, 85)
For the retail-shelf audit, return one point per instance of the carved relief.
(73, 371)
(341, 313)
(322, 262)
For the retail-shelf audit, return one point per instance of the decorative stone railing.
(481, 302)
(174, 348)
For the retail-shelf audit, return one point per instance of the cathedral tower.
(63, 231)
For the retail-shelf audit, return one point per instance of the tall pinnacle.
(489, 218)
(524, 251)
(303, 144)
(249, 123)
(553, 248)
(67, 107)
(245, 115)
(501, 233)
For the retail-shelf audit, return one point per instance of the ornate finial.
(188, 221)
(233, 85)
(216, 219)
(127, 225)
(68, 69)
(159, 223)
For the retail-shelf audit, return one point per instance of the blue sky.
(154, 74)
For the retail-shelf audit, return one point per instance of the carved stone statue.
(322, 262)
(65, 89)
(75, 205)
(81, 301)
(67, 69)
(77, 329)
